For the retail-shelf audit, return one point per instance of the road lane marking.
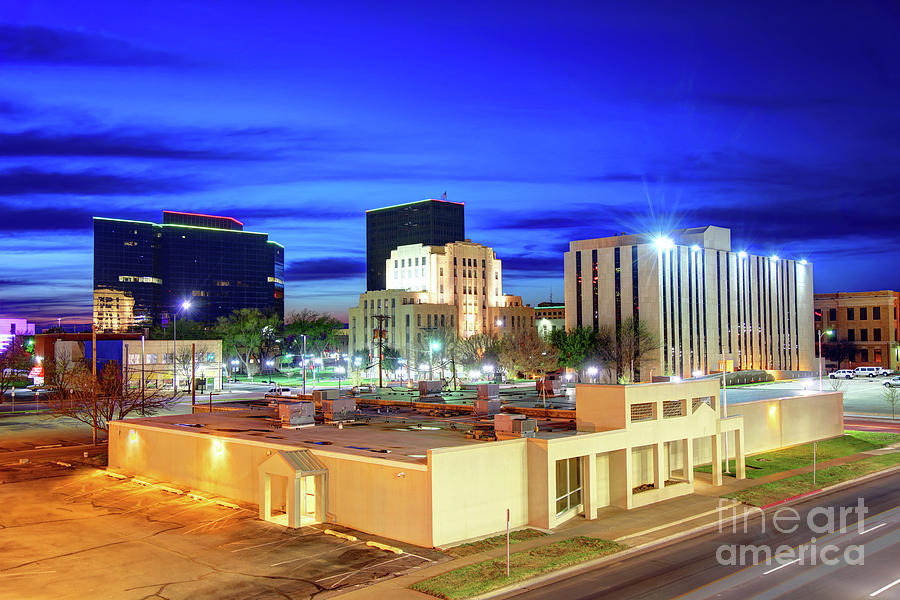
(781, 566)
(887, 587)
(872, 529)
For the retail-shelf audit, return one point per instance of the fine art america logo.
(825, 526)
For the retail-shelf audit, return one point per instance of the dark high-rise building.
(144, 271)
(432, 222)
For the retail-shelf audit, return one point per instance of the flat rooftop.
(403, 434)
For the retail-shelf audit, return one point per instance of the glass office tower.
(430, 222)
(143, 271)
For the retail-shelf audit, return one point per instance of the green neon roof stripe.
(276, 243)
(212, 228)
(126, 221)
(416, 202)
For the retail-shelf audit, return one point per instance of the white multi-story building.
(707, 304)
(456, 286)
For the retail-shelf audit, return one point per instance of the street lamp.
(434, 345)
(184, 307)
(821, 333)
(592, 371)
(340, 371)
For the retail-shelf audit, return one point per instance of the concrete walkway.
(655, 523)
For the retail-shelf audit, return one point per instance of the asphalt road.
(692, 570)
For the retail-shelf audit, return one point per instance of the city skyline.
(549, 127)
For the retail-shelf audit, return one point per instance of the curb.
(527, 584)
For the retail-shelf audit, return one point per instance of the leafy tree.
(320, 331)
(478, 350)
(242, 336)
(13, 359)
(839, 351)
(579, 347)
(390, 361)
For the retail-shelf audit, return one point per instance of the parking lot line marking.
(307, 557)
(872, 529)
(887, 587)
(258, 545)
(781, 566)
(349, 573)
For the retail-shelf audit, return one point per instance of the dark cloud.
(317, 269)
(32, 182)
(149, 144)
(550, 265)
(35, 44)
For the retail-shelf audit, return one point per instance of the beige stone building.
(709, 306)
(113, 310)
(868, 320)
(418, 478)
(548, 317)
(458, 286)
(153, 361)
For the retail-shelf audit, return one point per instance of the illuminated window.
(568, 484)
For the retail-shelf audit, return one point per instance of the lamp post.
(303, 362)
(234, 364)
(184, 306)
(821, 333)
(339, 371)
(434, 345)
(725, 415)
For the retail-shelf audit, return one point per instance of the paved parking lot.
(76, 533)
(861, 396)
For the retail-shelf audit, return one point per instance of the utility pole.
(303, 362)
(143, 336)
(94, 383)
(193, 374)
(380, 333)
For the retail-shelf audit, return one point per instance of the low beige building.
(457, 286)
(153, 361)
(420, 479)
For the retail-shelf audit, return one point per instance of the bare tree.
(185, 367)
(891, 395)
(95, 401)
(636, 345)
(528, 352)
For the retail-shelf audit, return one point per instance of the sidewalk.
(656, 523)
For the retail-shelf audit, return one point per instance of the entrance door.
(309, 509)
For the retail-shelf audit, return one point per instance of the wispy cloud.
(317, 269)
(35, 44)
(28, 182)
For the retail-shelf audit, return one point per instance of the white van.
(867, 371)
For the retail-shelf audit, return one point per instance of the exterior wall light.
(133, 435)
(663, 243)
(697, 373)
(219, 446)
(675, 379)
(772, 410)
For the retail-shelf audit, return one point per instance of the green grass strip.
(852, 442)
(489, 575)
(494, 542)
(767, 493)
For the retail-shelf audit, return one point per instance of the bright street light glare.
(742, 255)
(775, 257)
(663, 243)
(802, 261)
(186, 304)
(592, 371)
(695, 248)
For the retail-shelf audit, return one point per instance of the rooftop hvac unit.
(487, 407)
(524, 427)
(504, 421)
(339, 409)
(488, 391)
(296, 414)
(427, 388)
(320, 395)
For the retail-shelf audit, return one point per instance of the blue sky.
(551, 121)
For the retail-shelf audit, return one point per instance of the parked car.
(892, 382)
(867, 371)
(281, 391)
(842, 374)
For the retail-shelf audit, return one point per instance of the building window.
(578, 288)
(877, 356)
(134, 359)
(876, 334)
(863, 355)
(152, 359)
(850, 314)
(876, 313)
(395, 263)
(568, 484)
(851, 335)
(211, 357)
(832, 314)
(864, 335)
(863, 313)
(419, 320)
